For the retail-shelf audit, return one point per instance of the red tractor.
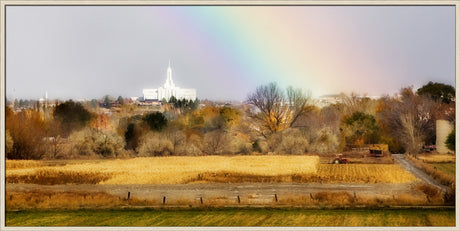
(339, 159)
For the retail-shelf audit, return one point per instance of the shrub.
(244, 148)
(216, 142)
(326, 142)
(336, 198)
(155, 145)
(192, 150)
(292, 142)
(93, 142)
(289, 141)
(256, 147)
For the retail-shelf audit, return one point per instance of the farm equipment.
(429, 148)
(378, 150)
(339, 159)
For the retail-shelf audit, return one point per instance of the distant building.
(168, 90)
(326, 100)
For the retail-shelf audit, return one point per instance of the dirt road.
(407, 165)
(260, 192)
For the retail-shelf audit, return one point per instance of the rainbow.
(322, 49)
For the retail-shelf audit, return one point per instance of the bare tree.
(409, 118)
(276, 110)
(299, 104)
(216, 142)
(176, 135)
(354, 103)
(55, 146)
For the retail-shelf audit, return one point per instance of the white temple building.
(168, 90)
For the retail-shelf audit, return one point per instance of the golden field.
(203, 169)
(364, 173)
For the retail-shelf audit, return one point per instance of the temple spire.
(169, 82)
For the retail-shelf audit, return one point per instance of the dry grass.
(47, 199)
(432, 193)
(18, 164)
(437, 158)
(175, 170)
(53, 176)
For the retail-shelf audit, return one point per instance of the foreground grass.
(233, 217)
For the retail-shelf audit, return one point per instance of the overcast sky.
(225, 52)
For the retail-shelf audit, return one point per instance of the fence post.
(164, 200)
(201, 200)
(276, 197)
(129, 195)
(311, 196)
(239, 199)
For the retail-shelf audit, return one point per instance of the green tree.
(438, 92)
(450, 141)
(71, 116)
(107, 101)
(195, 104)
(120, 100)
(172, 100)
(360, 128)
(156, 121)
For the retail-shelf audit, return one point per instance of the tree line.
(273, 120)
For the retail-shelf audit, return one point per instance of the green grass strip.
(233, 217)
(448, 168)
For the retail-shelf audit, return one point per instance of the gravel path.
(407, 165)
